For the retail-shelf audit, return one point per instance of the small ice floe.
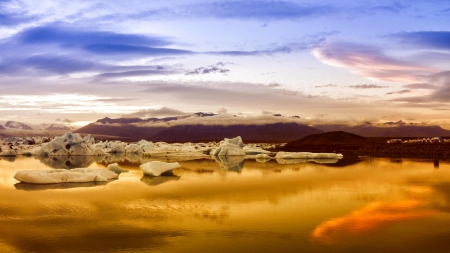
(307, 155)
(156, 168)
(79, 175)
(10, 152)
(115, 168)
(262, 158)
(307, 160)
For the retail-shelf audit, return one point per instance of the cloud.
(440, 94)
(370, 62)
(137, 73)
(243, 10)
(122, 49)
(399, 92)
(424, 39)
(367, 86)
(327, 86)
(70, 36)
(162, 112)
(274, 85)
(421, 86)
(216, 68)
(222, 110)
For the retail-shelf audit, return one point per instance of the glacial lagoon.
(370, 205)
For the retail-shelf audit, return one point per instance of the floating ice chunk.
(249, 150)
(156, 168)
(68, 144)
(262, 156)
(115, 168)
(64, 176)
(10, 152)
(133, 149)
(307, 155)
(230, 147)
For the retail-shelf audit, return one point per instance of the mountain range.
(199, 127)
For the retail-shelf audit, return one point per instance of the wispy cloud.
(420, 86)
(367, 86)
(161, 112)
(398, 92)
(370, 62)
(216, 68)
(424, 39)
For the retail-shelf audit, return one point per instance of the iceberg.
(156, 168)
(307, 155)
(55, 176)
(68, 145)
(230, 147)
(115, 168)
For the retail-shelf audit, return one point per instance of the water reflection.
(306, 160)
(230, 163)
(8, 158)
(68, 162)
(40, 187)
(371, 205)
(165, 177)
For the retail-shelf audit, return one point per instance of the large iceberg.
(64, 176)
(156, 168)
(307, 155)
(68, 145)
(230, 147)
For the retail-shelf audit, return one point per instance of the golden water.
(376, 205)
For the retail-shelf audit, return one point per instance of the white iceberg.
(115, 168)
(68, 145)
(262, 156)
(307, 155)
(64, 176)
(230, 147)
(156, 168)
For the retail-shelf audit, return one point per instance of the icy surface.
(115, 168)
(64, 176)
(307, 155)
(230, 147)
(68, 144)
(156, 168)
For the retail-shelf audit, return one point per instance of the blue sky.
(325, 61)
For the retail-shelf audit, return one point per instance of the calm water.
(376, 205)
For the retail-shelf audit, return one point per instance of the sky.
(343, 62)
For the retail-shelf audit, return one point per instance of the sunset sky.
(325, 61)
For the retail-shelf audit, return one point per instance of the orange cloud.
(371, 217)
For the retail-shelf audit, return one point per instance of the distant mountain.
(401, 130)
(25, 127)
(56, 127)
(122, 130)
(18, 125)
(181, 129)
(276, 132)
(330, 138)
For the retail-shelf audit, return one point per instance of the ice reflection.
(230, 163)
(371, 206)
(165, 177)
(8, 158)
(40, 187)
(68, 162)
(306, 160)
